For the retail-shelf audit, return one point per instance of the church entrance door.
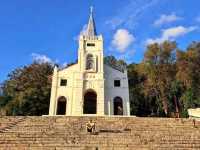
(90, 103)
(118, 106)
(61, 106)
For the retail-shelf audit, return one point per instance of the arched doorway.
(90, 102)
(118, 106)
(61, 106)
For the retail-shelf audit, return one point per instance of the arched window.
(89, 62)
(118, 106)
(61, 106)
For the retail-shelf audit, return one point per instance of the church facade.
(90, 87)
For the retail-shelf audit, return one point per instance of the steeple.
(91, 29)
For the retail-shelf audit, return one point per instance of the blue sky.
(48, 30)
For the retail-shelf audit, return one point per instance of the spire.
(91, 29)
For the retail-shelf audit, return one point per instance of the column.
(109, 110)
(52, 106)
(128, 108)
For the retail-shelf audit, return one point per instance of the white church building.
(90, 87)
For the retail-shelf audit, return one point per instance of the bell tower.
(90, 56)
(90, 61)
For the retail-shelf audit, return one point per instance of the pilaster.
(52, 107)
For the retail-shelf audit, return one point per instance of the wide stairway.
(111, 133)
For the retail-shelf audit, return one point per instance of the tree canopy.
(27, 90)
(166, 82)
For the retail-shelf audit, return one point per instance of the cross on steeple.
(91, 29)
(91, 9)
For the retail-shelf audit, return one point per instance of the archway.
(61, 106)
(118, 106)
(90, 102)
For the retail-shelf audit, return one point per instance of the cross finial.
(91, 9)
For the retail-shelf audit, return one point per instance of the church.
(91, 86)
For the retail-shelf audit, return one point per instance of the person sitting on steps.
(90, 126)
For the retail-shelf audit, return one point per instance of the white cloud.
(177, 31)
(41, 58)
(172, 34)
(128, 16)
(122, 39)
(164, 19)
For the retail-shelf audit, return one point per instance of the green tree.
(188, 73)
(159, 68)
(138, 102)
(27, 90)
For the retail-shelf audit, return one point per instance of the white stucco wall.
(77, 84)
(111, 92)
(194, 113)
(57, 91)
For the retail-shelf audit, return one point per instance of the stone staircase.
(8, 122)
(112, 133)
